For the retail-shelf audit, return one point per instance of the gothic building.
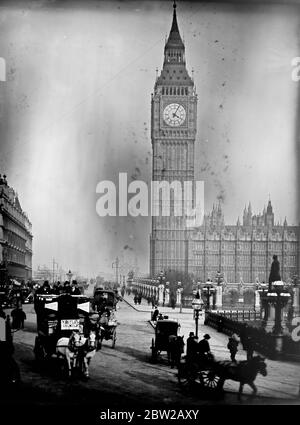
(243, 252)
(15, 237)
(173, 132)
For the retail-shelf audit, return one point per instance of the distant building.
(243, 252)
(15, 236)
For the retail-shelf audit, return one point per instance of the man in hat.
(45, 289)
(204, 349)
(191, 348)
(67, 287)
(155, 314)
(74, 289)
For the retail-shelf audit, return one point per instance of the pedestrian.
(233, 342)
(247, 341)
(18, 318)
(74, 288)
(191, 348)
(45, 289)
(250, 348)
(67, 287)
(155, 314)
(204, 349)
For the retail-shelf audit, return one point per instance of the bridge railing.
(263, 342)
(240, 315)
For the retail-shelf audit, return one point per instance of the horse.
(175, 349)
(69, 348)
(89, 350)
(244, 372)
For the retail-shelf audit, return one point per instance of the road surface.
(120, 378)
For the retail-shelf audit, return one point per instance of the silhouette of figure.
(275, 271)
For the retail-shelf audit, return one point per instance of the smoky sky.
(76, 109)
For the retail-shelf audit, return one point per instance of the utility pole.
(53, 269)
(115, 265)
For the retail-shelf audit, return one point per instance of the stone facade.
(15, 237)
(243, 252)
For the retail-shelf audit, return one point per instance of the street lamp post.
(179, 291)
(197, 306)
(208, 289)
(69, 275)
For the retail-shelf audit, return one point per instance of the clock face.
(174, 114)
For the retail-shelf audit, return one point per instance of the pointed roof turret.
(269, 207)
(285, 222)
(174, 39)
(174, 71)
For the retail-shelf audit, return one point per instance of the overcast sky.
(75, 110)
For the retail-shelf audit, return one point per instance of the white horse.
(89, 350)
(69, 348)
(77, 349)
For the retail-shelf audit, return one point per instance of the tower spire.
(174, 23)
(174, 40)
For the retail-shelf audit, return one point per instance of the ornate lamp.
(197, 304)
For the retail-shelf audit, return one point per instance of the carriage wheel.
(114, 337)
(209, 379)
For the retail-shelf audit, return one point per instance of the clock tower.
(173, 132)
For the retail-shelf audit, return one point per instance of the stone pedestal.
(269, 319)
(211, 301)
(160, 294)
(167, 297)
(178, 297)
(296, 298)
(257, 301)
(219, 297)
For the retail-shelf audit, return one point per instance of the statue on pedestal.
(275, 272)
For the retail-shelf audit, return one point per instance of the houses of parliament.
(242, 252)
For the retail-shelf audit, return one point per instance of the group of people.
(200, 351)
(137, 299)
(59, 288)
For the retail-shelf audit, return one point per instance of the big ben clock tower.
(173, 132)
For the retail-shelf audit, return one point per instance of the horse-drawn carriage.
(167, 339)
(64, 329)
(105, 303)
(210, 375)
